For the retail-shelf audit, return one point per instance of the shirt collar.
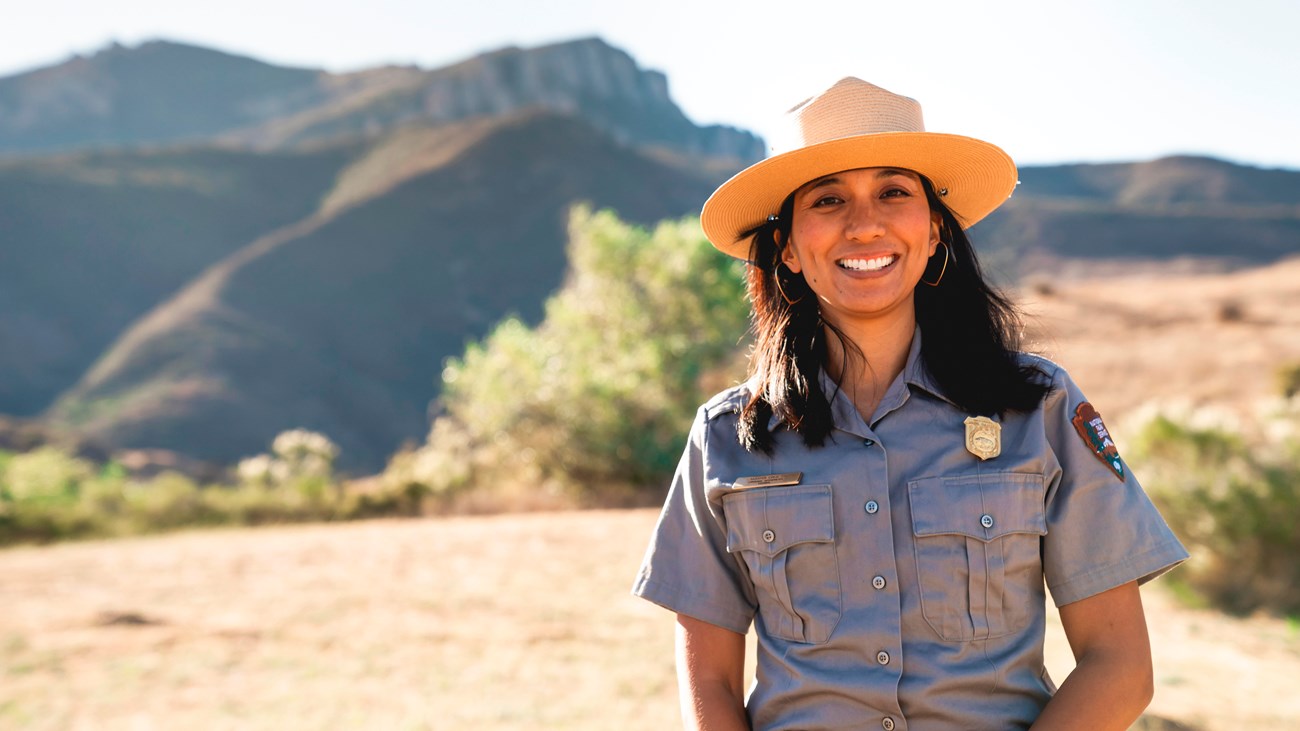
(914, 374)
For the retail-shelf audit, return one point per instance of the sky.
(1051, 82)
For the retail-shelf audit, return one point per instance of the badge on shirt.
(1090, 427)
(983, 437)
(780, 480)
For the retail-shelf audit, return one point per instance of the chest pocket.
(786, 537)
(978, 557)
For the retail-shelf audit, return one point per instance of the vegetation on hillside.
(584, 408)
(48, 494)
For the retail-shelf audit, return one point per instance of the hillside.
(1080, 219)
(266, 248)
(158, 92)
(340, 323)
(92, 241)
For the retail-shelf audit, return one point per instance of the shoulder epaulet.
(730, 401)
(1042, 364)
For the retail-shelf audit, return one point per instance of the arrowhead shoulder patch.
(1094, 434)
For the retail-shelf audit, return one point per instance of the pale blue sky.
(1049, 81)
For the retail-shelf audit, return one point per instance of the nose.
(863, 222)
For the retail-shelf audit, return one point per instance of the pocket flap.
(769, 520)
(983, 507)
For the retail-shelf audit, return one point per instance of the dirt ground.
(500, 622)
(524, 621)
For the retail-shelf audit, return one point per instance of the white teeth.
(868, 265)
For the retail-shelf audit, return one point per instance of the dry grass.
(501, 622)
(1204, 339)
(484, 623)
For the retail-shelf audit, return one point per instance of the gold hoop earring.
(942, 269)
(776, 276)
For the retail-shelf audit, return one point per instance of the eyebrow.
(881, 173)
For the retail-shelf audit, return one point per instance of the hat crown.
(850, 108)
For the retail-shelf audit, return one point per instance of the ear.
(788, 255)
(936, 229)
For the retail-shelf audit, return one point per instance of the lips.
(872, 264)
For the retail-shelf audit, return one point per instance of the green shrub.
(1288, 380)
(1234, 498)
(48, 495)
(595, 400)
(46, 475)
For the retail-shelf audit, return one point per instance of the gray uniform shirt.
(900, 583)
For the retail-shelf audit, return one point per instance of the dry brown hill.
(91, 241)
(340, 323)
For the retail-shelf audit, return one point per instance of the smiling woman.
(861, 239)
(886, 508)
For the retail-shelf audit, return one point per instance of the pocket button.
(887, 724)
(769, 535)
(986, 520)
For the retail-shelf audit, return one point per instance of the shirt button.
(986, 520)
(887, 724)
(769, 536)
(878, 582)
(868, 442)
(882, 657)
(871, 507)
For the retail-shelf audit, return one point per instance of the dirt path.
(506, 622)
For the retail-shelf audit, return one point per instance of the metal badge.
(781, 480)
(983, 437)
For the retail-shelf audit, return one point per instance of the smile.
(873, 264)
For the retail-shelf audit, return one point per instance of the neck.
(871, 358)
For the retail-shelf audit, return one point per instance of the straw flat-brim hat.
(853, 125)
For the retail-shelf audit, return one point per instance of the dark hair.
(971, 333)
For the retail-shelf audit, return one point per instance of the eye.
(827, 200)
(895, 193)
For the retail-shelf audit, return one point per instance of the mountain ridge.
(313, 267)
(163, 92)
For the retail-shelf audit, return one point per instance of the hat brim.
(978, 176)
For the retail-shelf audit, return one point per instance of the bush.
(47, 494)
(596, 400)
(1233, 496)
(1288, 380)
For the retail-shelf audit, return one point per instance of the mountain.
(162, 92)
(340, 323)
(1145, 214)
(200, 250)
(159, 92)
(92, 241)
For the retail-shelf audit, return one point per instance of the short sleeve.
(687, 568)
(1102, 529)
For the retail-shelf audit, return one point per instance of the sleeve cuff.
(684, 601)
(1142, 568)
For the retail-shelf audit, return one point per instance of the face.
(861, 239)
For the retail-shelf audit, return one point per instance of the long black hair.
(971, 334)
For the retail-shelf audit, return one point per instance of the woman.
(887, 493)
